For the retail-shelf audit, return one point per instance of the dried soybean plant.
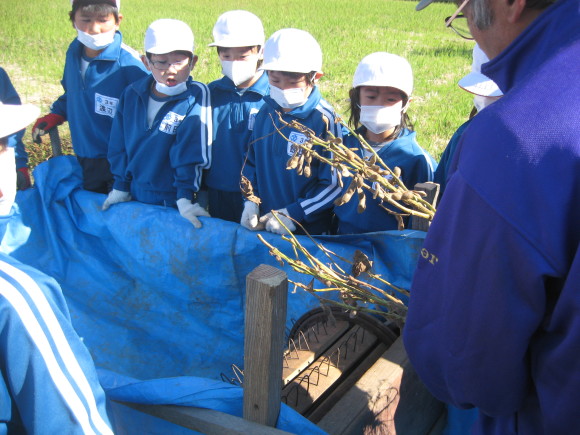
(369, 173)
(356, 294)
(372, 294)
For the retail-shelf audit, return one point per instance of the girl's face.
(380, 96)
(237, 53)
(94, 23)
(285, 81)
(171, 68)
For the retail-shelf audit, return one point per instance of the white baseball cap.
(15, 117)
(292, 50)
(476, 82)
(238, 29)
(116, 3)
(384, 69)
(167, 35)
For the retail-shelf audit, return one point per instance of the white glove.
(115, 197)
(250, 216)
(274, 226)
(191, 211)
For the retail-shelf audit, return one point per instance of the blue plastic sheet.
(153, 297)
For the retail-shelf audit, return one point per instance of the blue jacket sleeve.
(117, 153)
(320, 197)
(48, 373)
(8, 95)
(191, 153)
(475, 303)
(249, 165)
(59, 106)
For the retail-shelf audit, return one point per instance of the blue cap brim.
(423, 4)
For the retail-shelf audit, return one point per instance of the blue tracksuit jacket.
(164, 163)
(416, 167)
(48, 381)
(90, 105)
(8, 95)
(494, 316)
(308, 200)
(442, 171)
(233, 120)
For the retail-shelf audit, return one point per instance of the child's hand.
(274, 226)
(191, 211)
(115, 197)
(44, 124)
(250, 216)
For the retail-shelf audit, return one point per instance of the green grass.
(34, 37)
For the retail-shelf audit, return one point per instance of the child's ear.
(406, 107)
(145, 62)
(193, 61)
(318, 76)
(119, 21)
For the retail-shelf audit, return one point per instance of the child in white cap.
(13, 118)
(236, 99)
(379, 99)
(8, 95)
(38, 345)
(485, 92)
(161, 137)
(293, 61)
(98, 68)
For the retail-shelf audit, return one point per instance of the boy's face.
(94, 23)
(237, 53)
(380, 96)
(287, 81)
(171, 68)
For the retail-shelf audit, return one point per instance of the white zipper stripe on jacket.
(62, 345)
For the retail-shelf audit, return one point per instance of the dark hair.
(298, 75)
(101, 7)
(483, 15)
(184, 52)
(354, 118)
(249, 47)
(537, 4)
(220, 49)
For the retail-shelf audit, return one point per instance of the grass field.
(34, 37)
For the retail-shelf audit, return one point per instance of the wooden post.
(206, 421)
(266, 301)
(432, 191)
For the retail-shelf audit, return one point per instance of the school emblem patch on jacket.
(295, 138)
(170, 123)
(106, 105)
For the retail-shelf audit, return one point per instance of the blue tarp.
(153, 297)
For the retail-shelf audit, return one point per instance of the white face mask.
(240, 71)
(96, 42)
(379, 119)
(288, 98)
(481, 102)
(171, 90)
(7, 180)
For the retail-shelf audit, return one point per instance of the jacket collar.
(557, 26)
(303, 111)
(262, 86)
(143, 89)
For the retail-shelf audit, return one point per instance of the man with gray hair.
(494, 318)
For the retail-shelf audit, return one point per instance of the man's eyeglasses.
(458, 23)
(163, 65)
(459, 26)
